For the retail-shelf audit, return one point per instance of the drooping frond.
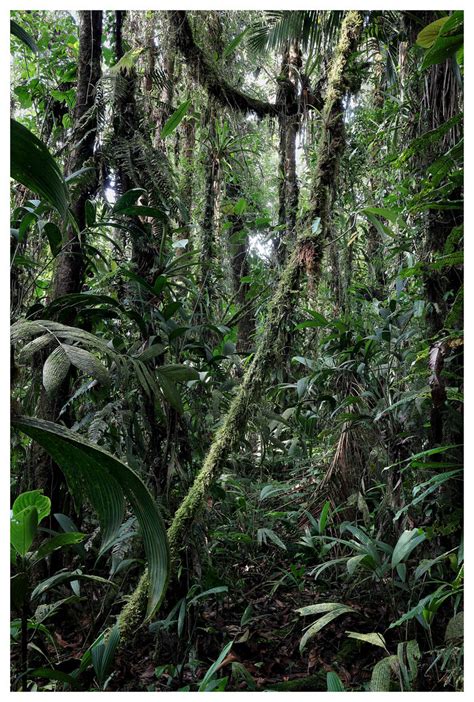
(313, 29)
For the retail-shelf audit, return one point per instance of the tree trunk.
(68, 277)
(240, 269)
(69, 273)
(289, 120)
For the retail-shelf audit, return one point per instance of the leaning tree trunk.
(306, 255)
(68, 277)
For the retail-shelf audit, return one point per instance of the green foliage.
(175, 119)
(443, 38)
(332, 611)
(23, 36)
(306, 457)
(34, 167)
(210, 683)
(334, 683)
(104, 481)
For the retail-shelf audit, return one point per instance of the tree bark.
(70, 271)
(240, 269)
(289, 120)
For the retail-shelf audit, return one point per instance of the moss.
(310, 684)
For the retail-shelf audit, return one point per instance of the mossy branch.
(307, 256)
(205, 73)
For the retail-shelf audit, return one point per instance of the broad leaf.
(54, 236)
(23, 36)
(322, 622)
(55, 370)
(104, 479)
(334, 683)
(175, 119)
(33, 498)
(58, 541)
(427, 37)
(102, 654)
(34, 167)
(382, 672)
(373, 638)
(87, 363)
(214, 667)
(128, 199)
(23, 526)
(405, 545)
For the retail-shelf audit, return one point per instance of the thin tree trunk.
(240, 269)
(68, 277)
(289, 120)
(70, 270)
(212, 177)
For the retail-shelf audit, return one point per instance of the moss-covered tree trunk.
(212, 177)
(289, 120)
(188, 165)
(306, 256)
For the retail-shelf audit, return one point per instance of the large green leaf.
(214, 667)
(66, 577)
(87, 363)
(177, 371)
(333, 610)
(23, 36)
(442, 49)
(405, 545)
(23, 526)
(102, 654)
(58, 541)
(373, 638)
(175, 119)
(55, 370)
(33, 498)
(428, 35)
(382, 673)
(334, 683)
(34, 167)
(104, 479)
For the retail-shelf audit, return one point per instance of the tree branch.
(206, 74)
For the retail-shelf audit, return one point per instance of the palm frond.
(313, 29)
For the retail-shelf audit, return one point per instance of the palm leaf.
(105, 480)
(34, 167)
(313, 29)
(23, 36)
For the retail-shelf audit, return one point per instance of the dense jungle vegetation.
(236, 350)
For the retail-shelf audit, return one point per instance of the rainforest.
(236, 351)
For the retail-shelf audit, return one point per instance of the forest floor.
(260, 617)
(266, 645)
